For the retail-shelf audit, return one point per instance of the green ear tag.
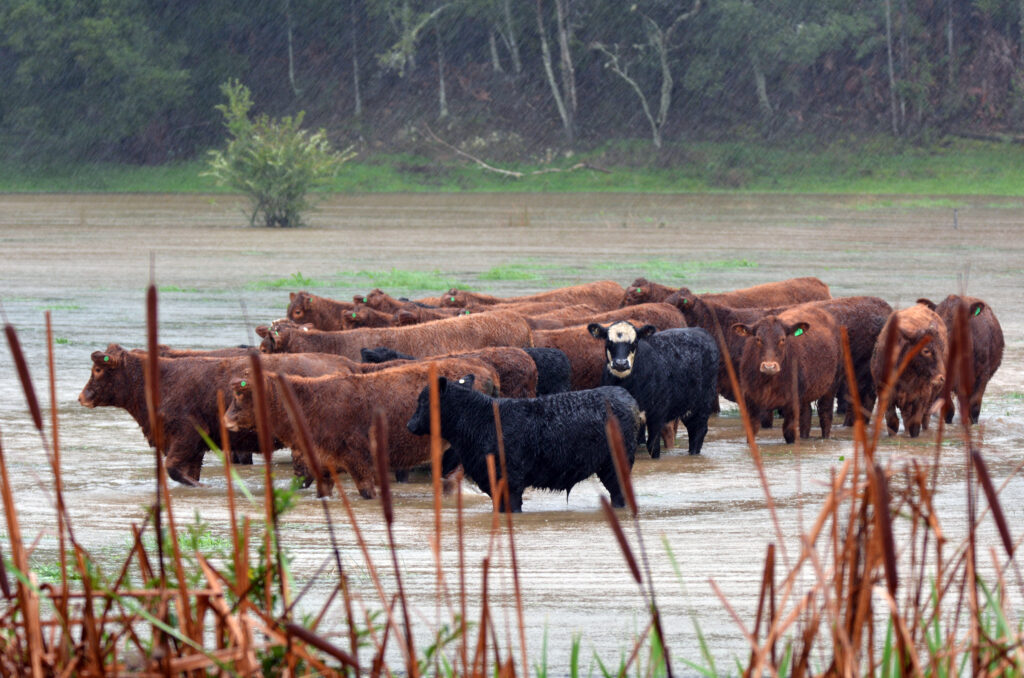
(977, 311)
(465, 312)
(106, 358)
(798, 333)
(242, 384)
(639, 290)
(364, 299)
(353, 314)
(453, 298)
(276, 333)
(685, 302)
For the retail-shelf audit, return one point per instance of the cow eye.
(927, 353)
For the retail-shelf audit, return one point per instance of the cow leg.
(825, 415)
(912, 419)
(789, 425)
(401, 475)
(892, 421)
(243, 458)
(755, 416)
(654, 438)
(362, 475)
(805, 420)
(765, 419)
(975, 402)
(515, 500)
(668, 434)
(696, 429)
(610, 479)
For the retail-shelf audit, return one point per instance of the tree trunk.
(492, 42)
(357, 104)
(892, 74)
(291, 51)
(762, 87)
(565, 62)
(545, 49)
(442, 97)
(513, 41)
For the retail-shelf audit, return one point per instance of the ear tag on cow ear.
(242, 384)
(639, 290)
(452, 298)
(798, 332)
(977, 311)
(106, 358)
(353, 314)
(364, 299)
(276, 333)
(467, 313)
(685, 301)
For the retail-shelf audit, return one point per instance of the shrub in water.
(273, 162)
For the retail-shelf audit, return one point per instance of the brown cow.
(768, 295)
(643, 291)
(339, 410)
(986, 347)
(323, 313)
(788, 361)
(452, 335)
(603, 295)
(916, 388)
(863, 318)
(516, 369)
(188, 398)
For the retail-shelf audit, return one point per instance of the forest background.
(696, 95)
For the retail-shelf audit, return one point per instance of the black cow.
(672, 374)
(551, 442)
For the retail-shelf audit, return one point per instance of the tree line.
(138, 80)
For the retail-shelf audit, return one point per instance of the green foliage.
(275, 163)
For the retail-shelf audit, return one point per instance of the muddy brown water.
(88, 260)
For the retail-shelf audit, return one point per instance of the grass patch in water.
(660, 270)
(62, 341)
(60, 307)
(176, 288)
(400, 279)
(294, 280)
(521, 271)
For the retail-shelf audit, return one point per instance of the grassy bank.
(880, 166)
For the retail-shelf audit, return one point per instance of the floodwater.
(88, 259)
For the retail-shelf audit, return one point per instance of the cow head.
(108, 382)
(767, 339)
(299, 305)
(621, 340)
(276, 335)
(241, 414)
(454, 297)
(638, 292)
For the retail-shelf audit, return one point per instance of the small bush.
(273, 162)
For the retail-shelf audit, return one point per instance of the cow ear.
(307, 302)
(240, 384)
(597, 331)
(468, 381)
(262, 331)
(404, 317)
(741, 330)
(101, 359)
(646, 331)
(976, 308)
(798, 329)
(927, 302)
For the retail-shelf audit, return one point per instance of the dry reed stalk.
(618, 451)
(379, 452)
(435, 479)
(521, 618)
(63, 521)
(20, 560)
(479, 665)
(460, 531)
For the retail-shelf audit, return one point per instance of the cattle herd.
(557, 365)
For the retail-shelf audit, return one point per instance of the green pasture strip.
(880, 165)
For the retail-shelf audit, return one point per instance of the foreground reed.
(876, 587)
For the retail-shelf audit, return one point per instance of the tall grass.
(876, 586)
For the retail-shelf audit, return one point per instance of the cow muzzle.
(770, 368)
(85, 399)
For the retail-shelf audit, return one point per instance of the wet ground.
(87, 259)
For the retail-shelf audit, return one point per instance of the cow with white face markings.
(672, 374)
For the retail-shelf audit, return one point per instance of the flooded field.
(87, 259)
